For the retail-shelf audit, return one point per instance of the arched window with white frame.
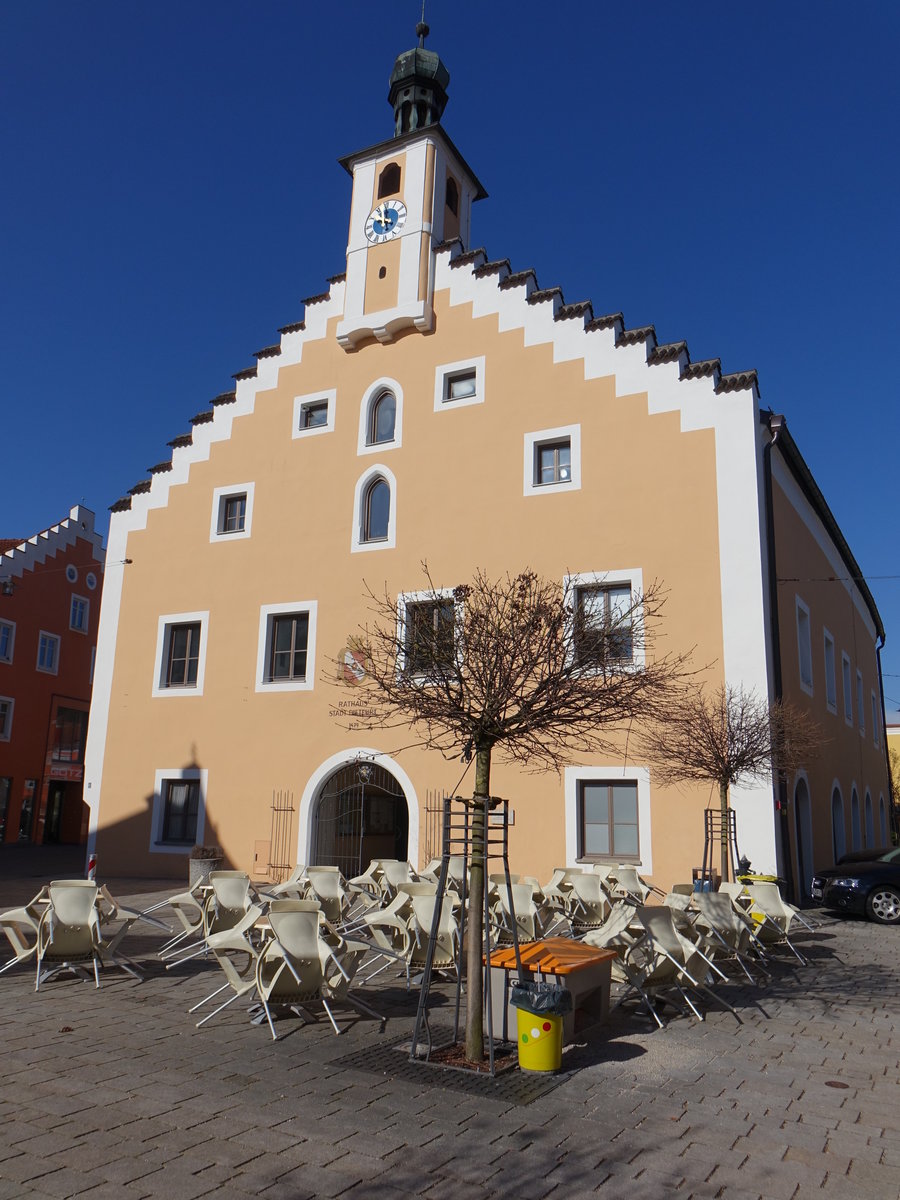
(838, 836)
(855, 826)
(375, 510)
(870, 822)
(380, 417)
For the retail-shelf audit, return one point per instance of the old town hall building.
(437, 404)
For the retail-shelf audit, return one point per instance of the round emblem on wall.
(91, 580)
(72, 573)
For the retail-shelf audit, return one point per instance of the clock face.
(386, 221)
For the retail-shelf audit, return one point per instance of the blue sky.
(170, 193)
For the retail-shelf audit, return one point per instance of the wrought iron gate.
(361, 815)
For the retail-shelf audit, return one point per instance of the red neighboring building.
(50, 587)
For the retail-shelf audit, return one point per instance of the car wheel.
(884, 905)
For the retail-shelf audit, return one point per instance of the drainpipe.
(775, 423)
(892, 815)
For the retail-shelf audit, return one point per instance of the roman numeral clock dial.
(385, 221)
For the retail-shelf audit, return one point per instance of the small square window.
(553, 460)
(7, 704)
(232, 512)
(459, 384)
(314, 414)
(79, 610)
(286, 651)
(48, 653)
(830, 677)
(7, 641)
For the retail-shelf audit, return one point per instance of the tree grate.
(511, 1087)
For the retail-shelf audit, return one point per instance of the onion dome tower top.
(419, 82)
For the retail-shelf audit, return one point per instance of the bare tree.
(520, 666)
(728, 737)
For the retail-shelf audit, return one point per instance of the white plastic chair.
(69, 931)
(21, 928)
(299, 966)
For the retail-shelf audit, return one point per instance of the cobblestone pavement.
(115, 1094)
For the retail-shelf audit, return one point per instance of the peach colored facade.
(666, 482)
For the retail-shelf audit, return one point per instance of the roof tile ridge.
(736, 381)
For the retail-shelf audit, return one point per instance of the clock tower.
(410, 194)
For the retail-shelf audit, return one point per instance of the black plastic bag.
(541, 998)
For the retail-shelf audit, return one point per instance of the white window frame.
(311, 399)
(54, 670)
(830, 674)
(157, 845)
(633, 577)
(221, 495)
(357, 545)
(540, 437)
(875, 722)
(266, 614)
(6, 730)
(163, 633)
(436, 596)
(804, 644)
(847, 684)
(11, 626)
(612, 774)
(371, 394)
(860, 703)
(87, 613)
(444, 373)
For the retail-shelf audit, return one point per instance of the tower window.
(452, 199)
(389, 180)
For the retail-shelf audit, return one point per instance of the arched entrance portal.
(361, 814)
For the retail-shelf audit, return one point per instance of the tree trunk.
(725, 840)
(475, 915)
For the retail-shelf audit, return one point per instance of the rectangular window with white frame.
(179, 809)
(79, 614)
(314, 414)
(846, 680)
(860, 704)
(430, 624)
(180, 667)
(608, 815)
(804, 646)
(830, 677)
(232, 512)
(7, 704)
(286, 647)
(606, 618)
(876, 722)
(552, 460)
(459, 384)
(48, 653)
(7, 641)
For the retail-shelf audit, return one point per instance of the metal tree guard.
(458, 840)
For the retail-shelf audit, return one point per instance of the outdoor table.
(585, 970)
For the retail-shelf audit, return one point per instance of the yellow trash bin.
(540, 1040)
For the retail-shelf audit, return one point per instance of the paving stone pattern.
(116, 1095)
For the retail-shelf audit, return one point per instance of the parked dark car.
(867, 886)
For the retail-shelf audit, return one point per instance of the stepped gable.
(23, 554)
(484, 270)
